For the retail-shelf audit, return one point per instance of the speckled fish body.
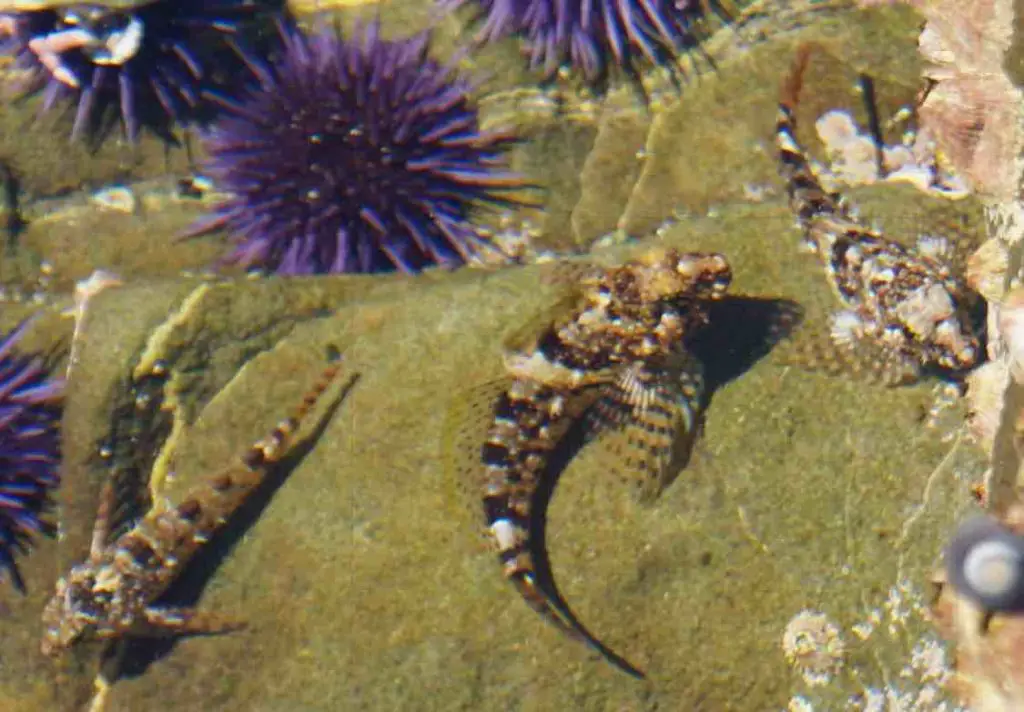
(618, 360)
(112, 594)
(904, 303)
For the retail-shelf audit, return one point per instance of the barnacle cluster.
(857, 159)
(904, 309)
(974, 111)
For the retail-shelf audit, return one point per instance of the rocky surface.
(362, 576)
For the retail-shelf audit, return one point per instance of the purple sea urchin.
(30, 405)
(353, 155)
(592, 35)
(148, 64)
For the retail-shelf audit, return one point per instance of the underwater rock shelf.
(787, 564)
(362, 577)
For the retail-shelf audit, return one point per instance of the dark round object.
(985, 561)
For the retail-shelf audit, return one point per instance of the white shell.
(846, 328)
(993, 568)
(835, 128)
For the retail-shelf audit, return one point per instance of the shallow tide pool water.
(787, 567)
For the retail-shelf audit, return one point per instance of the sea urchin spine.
(353, 155)
(594, 35)
(149, 64)
(30, 408)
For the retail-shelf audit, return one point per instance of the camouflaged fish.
(615, 361)
(903, 309)
(112, 594)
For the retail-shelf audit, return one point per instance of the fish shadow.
(131, 657)
(740, 332)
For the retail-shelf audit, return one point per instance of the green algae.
(360, 584)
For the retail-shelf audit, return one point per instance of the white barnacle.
(602, 297)
(835, 128)
(895, 158)
(539, 368)
(125, 561)
(786, 143)
(556, 407)
(858, 160)
(950, 336)
(885, 274)
(814, 646)
(502, 430)
(893, 337)
(853, 255)
(494, 488)
(648, 346)
(670, 323)
(595, 316)
(847, 328)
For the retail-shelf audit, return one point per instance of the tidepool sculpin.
(904, 309)
(614, 360)
(113, 594)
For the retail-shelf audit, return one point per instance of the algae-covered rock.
(362, 579)
(811, 499)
